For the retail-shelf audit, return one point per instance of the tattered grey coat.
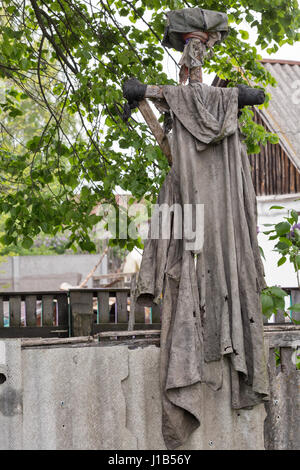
(211, 308)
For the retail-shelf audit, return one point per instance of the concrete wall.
(105, 398)
(36, 273)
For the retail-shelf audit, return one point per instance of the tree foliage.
(69, 58)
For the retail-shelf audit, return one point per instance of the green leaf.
(294, 308)
(278, 292)
(276, 208)
(281, 261)
(282, 228)
(295, 216)
(267, 304)
(27, 242)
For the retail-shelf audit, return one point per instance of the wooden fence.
(34, 314)
(78, 312)
(84, 312)
(111, 316)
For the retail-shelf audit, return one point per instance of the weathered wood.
(122, 314)
(34, 331)
(280, 317)
(131, 321)
(129, 334)
(1, 313)
(81, 304)
(103, 307)
(290, 397)
(283, 418)
(98, 328)
(15, 310)
(156, 129)
(47, 310)
(295, 297)
(132, 343)
(30, 306)
(156, 314)
(139, 313)
(282, 339)
(63, 309)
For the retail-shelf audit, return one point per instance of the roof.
(283, 113)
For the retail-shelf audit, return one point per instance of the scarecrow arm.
(135, 92)
(250, 96)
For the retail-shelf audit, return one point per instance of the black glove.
(134, 91)
(250, 96)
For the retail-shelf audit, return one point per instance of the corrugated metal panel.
(282, 115)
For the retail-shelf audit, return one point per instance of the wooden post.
(15, 310)
(103, 307)
(62, 306)
(30, 305)
(81, 313)
(1, 313)
(131, 321)
(121, 301)
(295, 293)
(156, 129)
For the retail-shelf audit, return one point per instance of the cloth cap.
(189, 20)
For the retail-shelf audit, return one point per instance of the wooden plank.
(280, 317)
(107, 334)
(29, 343)
(267, 187)
(132, 343)
(15, 310)
(124, 326)
(286, 173)
(30, 306)
(279, 170)
(263, 172)
(1, 313)
(34, 332)
(122, 314)
(63, 309)
(81, 304)
(156, 314)
(154, 124)
(47, 310)
(273, 166)
(290, 425)
(131, 321)
(295, 298)
(292, 178)
(139, 313)
(103, 307)
(282, 339)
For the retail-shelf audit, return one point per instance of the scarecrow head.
(194, 32)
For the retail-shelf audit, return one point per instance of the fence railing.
(85, 312)
(78, 312)
(33, 314)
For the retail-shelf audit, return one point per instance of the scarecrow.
(210, 291)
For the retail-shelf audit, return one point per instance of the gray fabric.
(210, 308)
(195, 51)
(189, 20)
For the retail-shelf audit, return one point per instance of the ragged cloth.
(211, 309)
